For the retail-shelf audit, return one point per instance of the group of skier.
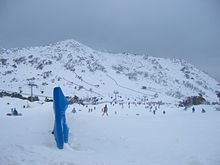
(104, 110)
(152, 108)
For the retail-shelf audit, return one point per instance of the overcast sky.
(185, 29)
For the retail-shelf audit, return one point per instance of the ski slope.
(126, 137)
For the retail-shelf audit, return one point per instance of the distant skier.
(90, 110)
(154, 112)
(105, 110)
(74, 110)
(164, 112)
(203, 110)
(193, 110)
(15, 112)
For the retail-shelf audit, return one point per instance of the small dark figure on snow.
(154, 112)
(193, 110)
(105, 110)
(74, 110)
(164, 112)
(203, 110)
(15, 112)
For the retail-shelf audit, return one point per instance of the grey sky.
(185, 29)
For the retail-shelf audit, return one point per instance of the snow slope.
(132, 136)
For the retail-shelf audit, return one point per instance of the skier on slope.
(193, 109)
(203, 110)
(105, 110)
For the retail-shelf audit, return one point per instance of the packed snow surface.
(128, 136)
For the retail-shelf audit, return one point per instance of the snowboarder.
(105, 110)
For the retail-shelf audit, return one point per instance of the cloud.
(173, 28)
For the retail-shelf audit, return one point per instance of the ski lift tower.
(31, 84)
(116, 92)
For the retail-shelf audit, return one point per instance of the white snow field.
(133, 136)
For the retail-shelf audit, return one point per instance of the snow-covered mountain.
(151, 133)
(87, 73)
